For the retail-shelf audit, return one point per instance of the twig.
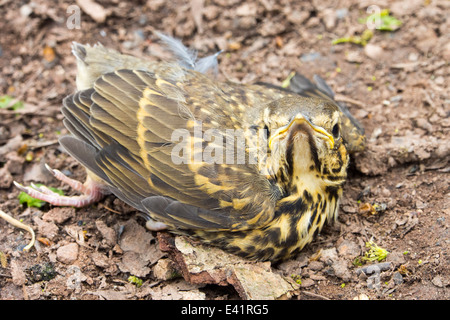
(112, 210)
(32, 109)
(315, 295)
(5, 275)
(20, 225)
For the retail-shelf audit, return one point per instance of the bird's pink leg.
(92, 191)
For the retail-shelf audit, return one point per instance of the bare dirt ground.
(397, 193)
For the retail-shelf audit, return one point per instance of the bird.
(254, 169)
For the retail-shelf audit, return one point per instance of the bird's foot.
(92, 192)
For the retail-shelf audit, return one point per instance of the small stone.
(349, 249)
(397, 258)
(14, 162)
(247, 9)
(298, 17)
(67, 254)
(385, 192)
(341, 270)
(100, 260)
(109, 234)
(164, 270)
(328, 255)
(362, 296)
(25, 10)
(47, 229)
(374, 52)
(398, 278)
(59, 215)
(18, 276)
(329, 19)
(424, 124)
(307, 283)
(437, 281)
(354, 57)
(316, 265)
(427, 39)
(446, 52)
(96, 11)
(6, 178)
(341, 13)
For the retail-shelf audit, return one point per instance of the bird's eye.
(335, 131)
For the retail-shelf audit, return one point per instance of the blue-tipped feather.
(187, 58)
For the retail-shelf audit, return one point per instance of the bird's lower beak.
(300, 119)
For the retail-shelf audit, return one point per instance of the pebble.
(18, 276)
(308, 57)
(446, 52)
(354, 56)
(164, 270)
(329, 18)
(362, 296)
(67, 254)
(298, 17)
(307, 282)
(341, 270)
(385, 192)
(26, 10)
(316, 265)
(108, 234)
(341, 13)
(398, 278)
(328, 255)
(59, 215)
(349, 249)
(100, 259)
(6, 178)
(14, 162)
(47, 229)
(424, 124)
(437, 281)
(374, 52)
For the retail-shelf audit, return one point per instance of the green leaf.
(387, 22)
(375, 252)
(6, 100)
(30, 201)
(287, 82)
(135, 280)
(361, 40)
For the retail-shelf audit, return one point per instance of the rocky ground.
(397, 196)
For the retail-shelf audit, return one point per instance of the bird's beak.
(299, 119)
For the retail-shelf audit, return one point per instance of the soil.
(397, 194)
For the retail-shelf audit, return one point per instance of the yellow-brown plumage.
(264, 201)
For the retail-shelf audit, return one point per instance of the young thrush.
(254, 169)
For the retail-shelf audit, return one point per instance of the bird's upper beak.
(300, 119)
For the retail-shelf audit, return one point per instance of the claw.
(20, 187)
(91, 191)
(49, 169)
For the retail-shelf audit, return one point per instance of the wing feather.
(129, 117)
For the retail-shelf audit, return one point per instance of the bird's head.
(305, 142)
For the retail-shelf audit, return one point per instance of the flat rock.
(201, 264)
(67, 254)
(59, 215)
